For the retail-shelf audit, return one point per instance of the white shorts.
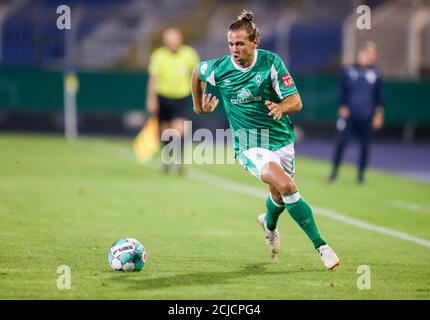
(254, 159)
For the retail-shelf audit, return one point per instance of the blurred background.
(109, 43)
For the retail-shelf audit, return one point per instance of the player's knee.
(287, 186)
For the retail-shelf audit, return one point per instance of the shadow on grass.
(199, 278)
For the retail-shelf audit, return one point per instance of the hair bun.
(246, 15)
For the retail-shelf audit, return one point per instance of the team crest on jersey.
(258, 80)
(287, 81)
(371, 76)
(353, 74)
(245, 96)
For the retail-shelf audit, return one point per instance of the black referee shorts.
(170, 109)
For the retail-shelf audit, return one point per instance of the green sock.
(301, 212)
(273, 212)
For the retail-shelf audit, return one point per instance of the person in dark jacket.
(361, 108)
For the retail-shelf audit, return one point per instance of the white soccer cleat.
(328, 257)
(273, 239)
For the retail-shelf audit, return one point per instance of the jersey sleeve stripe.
(275, 81)
(211, 78)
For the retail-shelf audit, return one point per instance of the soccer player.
(361, 108)
(258, 95)
(168, 91)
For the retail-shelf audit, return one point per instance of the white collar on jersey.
(247, 68)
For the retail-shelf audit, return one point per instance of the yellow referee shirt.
(173, 70)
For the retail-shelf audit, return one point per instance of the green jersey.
(244, 91)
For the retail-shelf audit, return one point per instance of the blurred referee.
(361, 108)
(169, 88)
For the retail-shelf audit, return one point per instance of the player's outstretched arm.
(290, 105)
(203, 103)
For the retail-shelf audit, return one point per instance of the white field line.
(127, 154)
(410, 206)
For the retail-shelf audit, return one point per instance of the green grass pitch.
(66, 203)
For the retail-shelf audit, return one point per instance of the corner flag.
(147, 142)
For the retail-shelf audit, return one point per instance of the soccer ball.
(127, 254)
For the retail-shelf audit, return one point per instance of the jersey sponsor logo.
(203, 68)
(287, 81)
(227, 82)
(245, 96)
